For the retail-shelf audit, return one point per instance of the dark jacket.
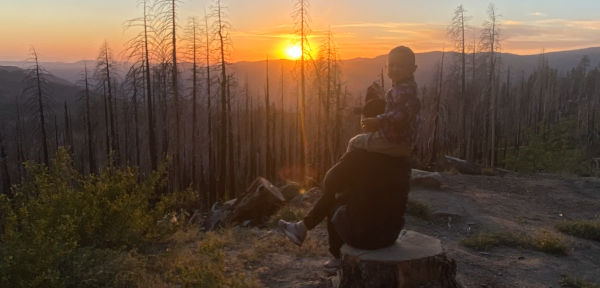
(373, 201)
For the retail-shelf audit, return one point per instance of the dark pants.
(325, 207)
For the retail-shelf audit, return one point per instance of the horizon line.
(343, 59)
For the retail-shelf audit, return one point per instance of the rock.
(463, 166)
(217, 215)
(290, 190)
(425, 179)
(261, 200)
(414, 260)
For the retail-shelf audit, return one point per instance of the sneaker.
(295, 231)
(333, 264)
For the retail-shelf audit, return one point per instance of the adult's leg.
(334, 181)
(335, 241)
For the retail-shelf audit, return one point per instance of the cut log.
(425, 179)
(463, 166)
(414, 260)
(261, 200)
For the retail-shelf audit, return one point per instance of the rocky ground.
(464, 206)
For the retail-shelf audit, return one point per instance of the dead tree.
(212, 189)
(490, 38)
(104, 66)
(192, 51)
(230, 157)
(456, 31)
(166, 22)
(301, 18)
(438, 95)
(36, 87)
(221, 31)
(138, 51)
(267, 125)
(6, 183)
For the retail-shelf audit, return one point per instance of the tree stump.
(414, 260)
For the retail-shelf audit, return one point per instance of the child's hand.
(370, 124)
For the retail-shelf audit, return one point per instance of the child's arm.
(401, 110)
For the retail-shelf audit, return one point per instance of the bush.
(552, 150)
(61, 227)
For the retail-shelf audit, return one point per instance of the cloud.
(551, 34)
(538, 14)
(367, 39)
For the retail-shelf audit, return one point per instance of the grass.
(571, 282)
(287, 213)
(417, 209)
(580, 228)
(195, 259)
(543, 241)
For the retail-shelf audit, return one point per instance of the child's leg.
(358, 142)
(379, 144)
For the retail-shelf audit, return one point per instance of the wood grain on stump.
(414, 260)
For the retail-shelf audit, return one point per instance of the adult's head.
(373, 108)
(373, 92)
(401, 64)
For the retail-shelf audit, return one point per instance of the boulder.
(463, 166)
(290, 190)
(425, 179)
(261, 200)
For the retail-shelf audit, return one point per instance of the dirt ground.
(466, 205)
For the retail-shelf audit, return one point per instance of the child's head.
(401, 64)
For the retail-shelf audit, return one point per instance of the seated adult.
(364, 199)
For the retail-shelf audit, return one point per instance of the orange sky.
(71, 30)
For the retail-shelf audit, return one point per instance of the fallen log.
(414, 260)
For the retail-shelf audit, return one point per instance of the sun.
(293, 52)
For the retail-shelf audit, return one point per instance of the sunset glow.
(64, 30)
(293, 52)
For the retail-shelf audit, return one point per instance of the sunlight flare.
(293, 52)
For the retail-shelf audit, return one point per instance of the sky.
(72, 30)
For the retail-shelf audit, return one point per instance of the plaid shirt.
(401, 109)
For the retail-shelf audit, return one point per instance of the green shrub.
(580, 228)
(59, 217)
(553, 149)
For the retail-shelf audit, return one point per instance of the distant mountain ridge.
(358, 73)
